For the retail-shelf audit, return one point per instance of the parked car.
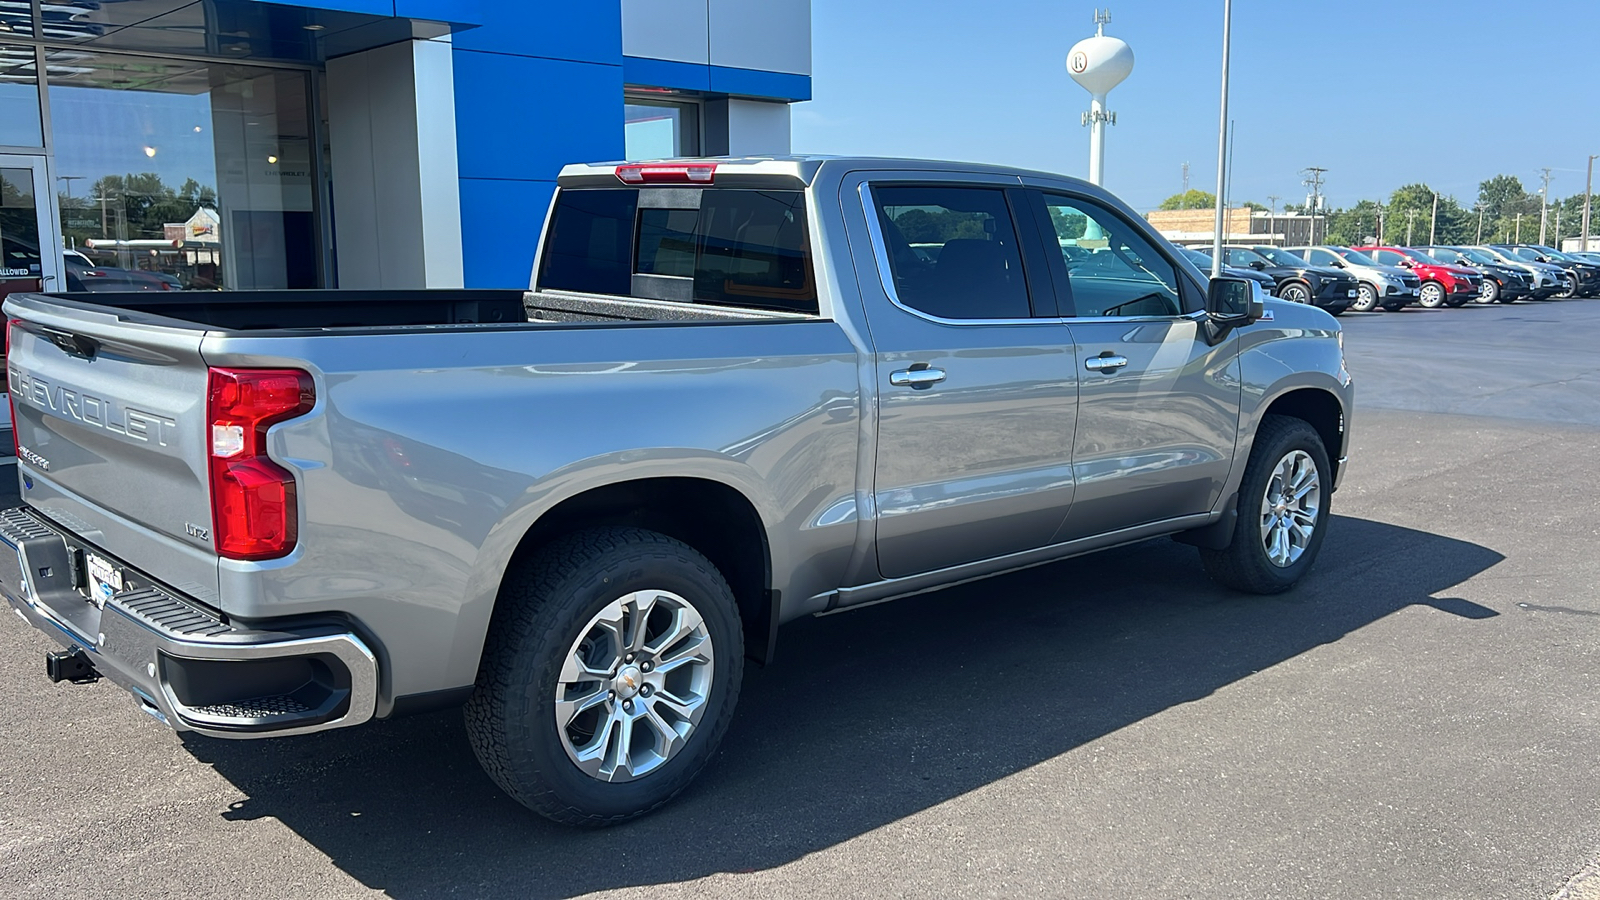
(1548, 280)
(1584, 278)
(1296, 280)
(383, 519)
(1202, 261)
(1589, 256)
(1442, 285)
(1388, 287)
(1501, 283)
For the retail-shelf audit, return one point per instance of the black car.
(1295, 279)
(1202, 262)
(1585, 280)
(1500, 282)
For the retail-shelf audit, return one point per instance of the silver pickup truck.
(738, 393)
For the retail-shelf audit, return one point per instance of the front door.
(30, 257)
(1158, 410)
(975, 383)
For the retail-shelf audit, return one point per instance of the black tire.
(1366, 298)
(1244, 565)
(1295, 292)
(1569, 287)
(1432, 295)
(545, 601)
(1490, 292)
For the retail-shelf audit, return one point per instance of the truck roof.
(796, 168)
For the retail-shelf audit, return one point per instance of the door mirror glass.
(1257, 264)
(1233, 302)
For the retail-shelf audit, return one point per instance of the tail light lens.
(253, 511)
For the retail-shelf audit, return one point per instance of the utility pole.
(1433, 226)
(1544, 202)
(1480, 206)
(1411, 216)
(1588, 187)
(1272, 222)
(1380, 222)
(1313, 180)
(1519, 228)
(1557, 242)
(1186, 178)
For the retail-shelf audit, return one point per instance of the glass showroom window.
(19, 98)
(191, 174)
(660, 129)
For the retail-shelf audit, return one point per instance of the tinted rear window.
(746, 248)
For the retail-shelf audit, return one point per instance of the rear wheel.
(1490, 292)
(1366, 298)
(1283, 511)
(1433, 295)
(1295, 292)
(610, 675)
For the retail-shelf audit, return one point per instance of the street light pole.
(1544, 203)
(1588, 187)
(1433, 226)
(1480, 207)
(1222, 142)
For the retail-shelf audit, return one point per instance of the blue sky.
(1448, 92)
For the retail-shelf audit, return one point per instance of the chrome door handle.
(916, 378)
(1105, 363)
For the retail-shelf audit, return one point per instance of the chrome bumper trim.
(132, 636)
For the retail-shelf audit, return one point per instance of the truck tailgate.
(110, 425)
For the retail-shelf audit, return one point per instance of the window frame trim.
(880, 248)
(1069, 309)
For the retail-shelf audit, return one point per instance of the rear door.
(976, 393)
(110, 424)
(1158, 410)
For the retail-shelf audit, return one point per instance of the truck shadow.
(867, 717)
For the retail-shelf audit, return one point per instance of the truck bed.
(253, 311)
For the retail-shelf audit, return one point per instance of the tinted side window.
(953, 251)
(589, 247)
(1388, 257)
(1321, 257)
(1112, 268)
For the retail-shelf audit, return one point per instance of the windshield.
(1419, 256)
(1280, 256)
(1239, 256)
(1354, 256)
(1478, 256)
(1555, 254)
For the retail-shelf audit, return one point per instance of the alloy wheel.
(1432, 295)
(1490, 292)
(1290, 508)
(1366, 299)
(634, 685)
(1295, 293)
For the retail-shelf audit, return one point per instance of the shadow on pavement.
(867, 717)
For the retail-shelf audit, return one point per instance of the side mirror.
(1233, 302)
(1257, 264)
(1337, 264)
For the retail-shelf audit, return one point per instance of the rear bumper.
(182, 662)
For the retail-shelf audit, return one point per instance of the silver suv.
(1390, 287)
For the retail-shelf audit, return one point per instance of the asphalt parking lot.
(1419, 719)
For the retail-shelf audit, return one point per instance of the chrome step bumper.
(184, 663)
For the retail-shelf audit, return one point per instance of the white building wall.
(396, 191)
(666, 29)
(770, 35)
(756, 128)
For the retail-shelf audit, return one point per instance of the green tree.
(1409, 217)
(1194, 198)
(1353, 226)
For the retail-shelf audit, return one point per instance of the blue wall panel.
(467, 11)
(370, 7)
(512, 210)
(589, 30)
(753, 83)
(520, 117)
(666, 73)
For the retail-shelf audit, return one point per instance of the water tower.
(1099, 64)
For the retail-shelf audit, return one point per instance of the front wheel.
(1283, 511)
(1366, 298)
(1295, 292)
(610, 675)
(1569, 287)
(1432, 296)
(1490, 292)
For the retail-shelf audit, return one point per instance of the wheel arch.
(1319, 408)
(716, 519)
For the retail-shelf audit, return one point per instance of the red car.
(1442, 285)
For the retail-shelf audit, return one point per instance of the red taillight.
(676, 173)
(253, 512)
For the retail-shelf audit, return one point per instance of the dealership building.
(355, 143)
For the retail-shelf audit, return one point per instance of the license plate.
(104, 579)
(1350, 293)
